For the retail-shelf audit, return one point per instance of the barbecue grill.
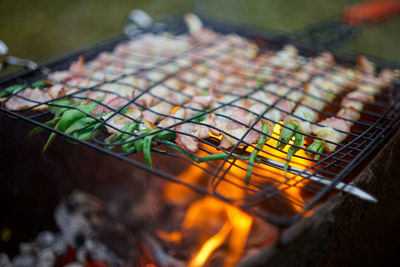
(378, 122)
(270, 194)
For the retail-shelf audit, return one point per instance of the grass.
(42, 29)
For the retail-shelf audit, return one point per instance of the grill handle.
(370, 12)
(6, 60)
(139, 20)
(353, 19)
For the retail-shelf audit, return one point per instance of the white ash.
(86, 226)
(46, 238)
(46, 258)
(76, 217)
(42, 251)
(5, 260)
(74, 264)
(23, 261)
(76, 232)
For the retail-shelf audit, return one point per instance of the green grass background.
(43, 29)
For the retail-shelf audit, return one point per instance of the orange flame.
(291, 184)
(228, 223)
(241, 226)
(209, 246)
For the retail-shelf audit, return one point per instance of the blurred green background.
(43, 29)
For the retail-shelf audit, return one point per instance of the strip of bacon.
(27, 98)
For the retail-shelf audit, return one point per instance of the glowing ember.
(174, 109)
(173, 237)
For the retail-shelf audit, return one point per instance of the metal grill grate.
(270, 194)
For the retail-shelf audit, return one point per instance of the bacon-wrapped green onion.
(260, 144)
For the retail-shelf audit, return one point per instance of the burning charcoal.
(72, 224)
(74, 264)
(86, 225)
(99, 251)
(81, 255)
(23, 261)
(4, 260)
(162, 258)
(26, 248)
(59, 246)
(46, 258)
(45, 239)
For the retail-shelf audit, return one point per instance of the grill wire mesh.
(269, 193)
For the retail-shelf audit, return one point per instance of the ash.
(42, 251)
(88, 235)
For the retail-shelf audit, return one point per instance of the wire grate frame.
(223, 65)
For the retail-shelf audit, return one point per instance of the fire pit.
(338, 227)
(210, 224)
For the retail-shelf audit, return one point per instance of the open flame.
(231, 226)
(209, 246)
(292, 183)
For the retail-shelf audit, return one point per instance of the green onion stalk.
(40, 83)
(12, 90)
(15, 88)
(211, 157)
(164, 137)
(144, 144)
(71, 119)
(253, 156)
(287, 133)
(316, 147)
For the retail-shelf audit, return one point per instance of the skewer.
(348, 188)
